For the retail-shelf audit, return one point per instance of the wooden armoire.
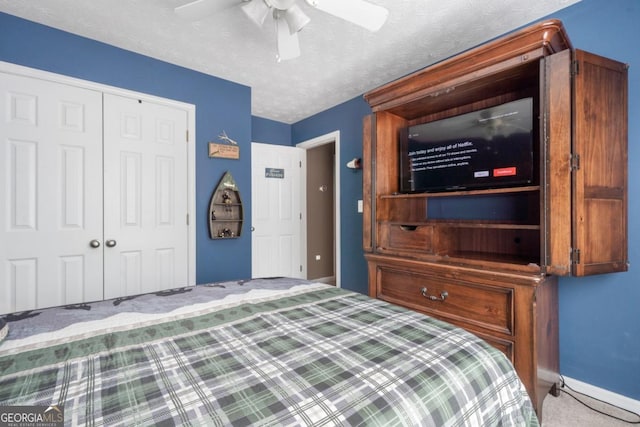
(446, 253)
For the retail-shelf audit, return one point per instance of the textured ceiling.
(339, 60)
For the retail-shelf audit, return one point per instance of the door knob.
(110, 243)
(94, 243)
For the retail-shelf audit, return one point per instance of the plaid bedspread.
(310, 355)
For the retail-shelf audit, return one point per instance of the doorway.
(321, 201)
(320, 214)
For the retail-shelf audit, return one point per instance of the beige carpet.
(565, 411)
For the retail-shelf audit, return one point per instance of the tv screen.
(487, 148)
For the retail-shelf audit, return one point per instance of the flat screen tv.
(488, 148)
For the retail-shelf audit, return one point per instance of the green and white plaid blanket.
(308, 355)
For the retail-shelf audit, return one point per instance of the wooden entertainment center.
(488, 260)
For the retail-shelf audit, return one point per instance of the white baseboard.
(328, 279)
(605, 395)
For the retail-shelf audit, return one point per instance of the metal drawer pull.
(408, 227)
(443, 295)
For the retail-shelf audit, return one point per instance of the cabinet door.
(584, 159)
(600, 170)
(555, 163)
(368, 126)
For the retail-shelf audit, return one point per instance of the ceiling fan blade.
(200, 9)
(359, 12)
(288, 44)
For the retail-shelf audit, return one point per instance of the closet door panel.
(51, 192)
(146, 231)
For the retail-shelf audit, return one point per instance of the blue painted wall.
(270, 132)
(220, 105)
(347, 118)
(599, 324)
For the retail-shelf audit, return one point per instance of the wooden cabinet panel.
(555, 93)
(600, 173)
(367, 182)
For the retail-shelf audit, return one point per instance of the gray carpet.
(565, 411)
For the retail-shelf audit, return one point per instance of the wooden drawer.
(467, 304)
(416, 238)
(504, 346)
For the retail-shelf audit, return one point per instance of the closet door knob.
(110, 243)
(94, 243)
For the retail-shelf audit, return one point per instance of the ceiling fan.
(289, 17)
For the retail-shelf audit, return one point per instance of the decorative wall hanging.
(227, 149)
(225, 210)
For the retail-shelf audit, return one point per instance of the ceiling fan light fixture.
(256, 10)
(280, 4)
(296, 18)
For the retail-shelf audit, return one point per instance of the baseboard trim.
(605, 395)
(328, 279)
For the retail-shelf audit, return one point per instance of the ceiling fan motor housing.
(280, 4)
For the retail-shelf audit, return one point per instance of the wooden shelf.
(491, 191)
(467, 224)
(498, 258)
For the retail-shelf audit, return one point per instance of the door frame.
(328, 138)
(20, 70)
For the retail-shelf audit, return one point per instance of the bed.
(277, 351)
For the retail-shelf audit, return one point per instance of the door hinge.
(300, 268)
(575, 162)
(575, 68)
(300, 163)
(575, 256)
(187, 135)
(300, 216)
(187, 219)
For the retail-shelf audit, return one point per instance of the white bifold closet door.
(51, 193)
(145, 189)
(94, 199)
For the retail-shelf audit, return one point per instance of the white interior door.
(276, 210)
(145, 228)
(51, 192)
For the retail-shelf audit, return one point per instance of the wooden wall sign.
(224, 151)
